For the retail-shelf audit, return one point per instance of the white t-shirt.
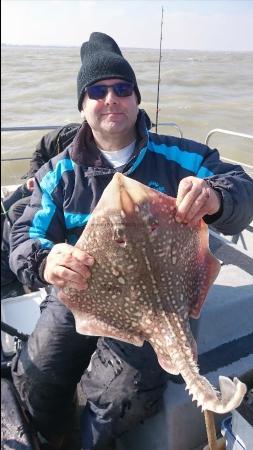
(120, 157)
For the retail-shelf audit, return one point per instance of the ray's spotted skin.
(150, 275)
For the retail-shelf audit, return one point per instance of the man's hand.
(68, 266)
(30, 184)
(195, 199)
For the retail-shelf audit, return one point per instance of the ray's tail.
(182, 359)
(228, 398)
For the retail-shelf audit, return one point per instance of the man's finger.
(200, 203)
(74, 259)
(61, 283)
(68, 251)
(82, 257)
(70, 275)
(187, 202)
(201, 213)
(81, 269)
(185, 186)
(70, 262)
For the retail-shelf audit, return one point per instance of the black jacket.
(51, 145)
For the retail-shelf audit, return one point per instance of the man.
(123, 383)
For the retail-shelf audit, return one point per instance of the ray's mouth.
(119, 236)
(121, 242)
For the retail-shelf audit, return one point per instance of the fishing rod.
(13, 331)
(159, 71)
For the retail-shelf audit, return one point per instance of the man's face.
(111, 114)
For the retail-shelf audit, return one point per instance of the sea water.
(199, 91)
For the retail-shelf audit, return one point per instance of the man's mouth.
(112, 113)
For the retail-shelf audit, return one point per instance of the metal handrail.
(170, 124)
(31, 128)
(53, 127)
(231, 133)
(25, 158)
(26, 128)
(236, 237)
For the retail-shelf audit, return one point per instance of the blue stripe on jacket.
(42, 220)
(204, 172)
(73, 220)
(43, 217)
(188, 160)
(52, 178)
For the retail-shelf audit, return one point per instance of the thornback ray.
(150, 275)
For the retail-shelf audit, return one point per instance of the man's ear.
(82, 115)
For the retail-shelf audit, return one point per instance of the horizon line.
(4, 44)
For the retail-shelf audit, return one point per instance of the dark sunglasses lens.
(123, 89)
(97, 91)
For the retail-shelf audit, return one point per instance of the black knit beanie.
(101, 60)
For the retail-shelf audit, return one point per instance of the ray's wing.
(208, 269)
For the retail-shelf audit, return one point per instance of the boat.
(224, 338)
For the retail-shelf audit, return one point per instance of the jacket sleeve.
(235, 188)
(51, 145)
(33, 235)
(45, 149)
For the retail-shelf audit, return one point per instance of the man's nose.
(111, 97)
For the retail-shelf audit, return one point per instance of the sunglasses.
(100, 91)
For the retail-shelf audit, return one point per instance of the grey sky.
(188, 24)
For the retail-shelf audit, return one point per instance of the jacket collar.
(84, 151)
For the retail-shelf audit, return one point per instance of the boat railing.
(232, 133)
(27, 128)
(170, 124)
(31, 128)
(247, 167)
(54, 127)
